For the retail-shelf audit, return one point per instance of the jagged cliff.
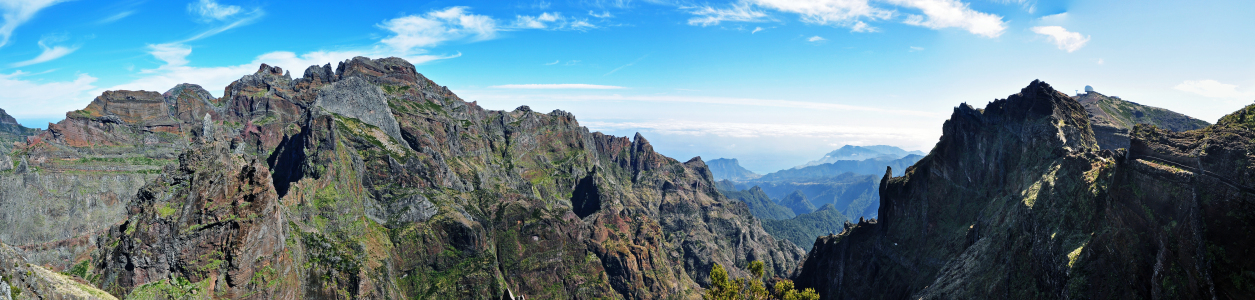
(371, 181)
(1016, 201)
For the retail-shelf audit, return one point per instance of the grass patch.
(167, 210)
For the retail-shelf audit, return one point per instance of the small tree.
(723, 287)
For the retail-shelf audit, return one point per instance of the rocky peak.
(1038, 116)
(130, 107)
(267, 69)
(319, 75)
(391, 68)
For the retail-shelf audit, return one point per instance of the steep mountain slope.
(760, 205)
(1112, 118)
(1016, 201)
(374, 182)
(730, 169)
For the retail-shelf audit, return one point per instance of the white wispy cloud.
(855, 14)
(916, 49)
(940, 14)
(49, 52)
(553, 63)
(222, 17)
(602, 15)
(172, 54)
(42, 99)
(116, 17)
(627, 65)
(756, 30)
(1212, 89)
(815, 39)
(1064, 39)
(845, 13)
(210, 10)
(738, 12)
(437, 26)
(17, 12)
(562, 86)
(1059, 17)
(551, 21)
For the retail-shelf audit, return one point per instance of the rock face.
(1017, 201)
(1112, 118)
(371, 181)
(730, 169)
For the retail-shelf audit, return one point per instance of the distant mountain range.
(873, 166)
(859, 153)
(849, 185)
(818, 198)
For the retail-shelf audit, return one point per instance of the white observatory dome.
(1089, 89)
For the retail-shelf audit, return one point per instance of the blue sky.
(774, 83)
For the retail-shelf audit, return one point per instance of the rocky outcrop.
(213, 220)
(1112, 118)
(1016, 201)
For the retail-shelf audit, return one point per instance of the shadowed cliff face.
(1016, 202)
(304, 189)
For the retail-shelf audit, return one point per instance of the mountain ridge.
(1017, 200)
(455, 200)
